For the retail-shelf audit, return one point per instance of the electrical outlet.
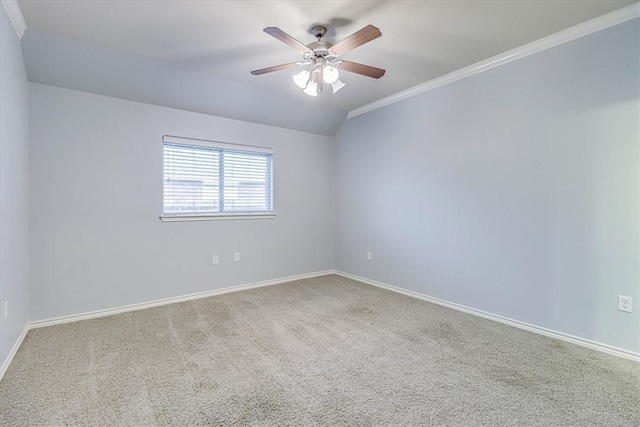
(236, 257)
(215, 260)
(368, 256)
(6, 310)
(624, 303)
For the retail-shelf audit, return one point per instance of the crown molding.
(600, 23)
(15, 16)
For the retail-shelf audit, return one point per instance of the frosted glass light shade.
(311, 89)
(330, 74)
(301, 79)
(337, 85)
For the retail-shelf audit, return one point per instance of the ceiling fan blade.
(286, 38)
(356, 39)
(365, 70)
(274, 68)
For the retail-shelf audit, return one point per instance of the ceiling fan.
(321, 59)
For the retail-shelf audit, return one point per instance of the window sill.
(215, 217)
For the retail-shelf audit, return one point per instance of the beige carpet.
(324, 351)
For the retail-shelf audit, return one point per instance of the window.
(209, 180)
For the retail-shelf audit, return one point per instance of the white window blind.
(209, 178)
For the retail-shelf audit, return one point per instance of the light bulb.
(301, 79)
(337, 85)
(330, 74)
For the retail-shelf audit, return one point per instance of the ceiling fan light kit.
(309, 79)
(321, 59)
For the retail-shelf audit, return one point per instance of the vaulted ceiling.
(199, 53)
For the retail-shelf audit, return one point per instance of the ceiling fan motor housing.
(320, 48)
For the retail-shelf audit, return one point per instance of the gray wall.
(514, 191)
(14, 188)
(96, 194)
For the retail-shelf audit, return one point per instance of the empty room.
(319, 213)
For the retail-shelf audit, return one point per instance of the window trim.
(217, 216)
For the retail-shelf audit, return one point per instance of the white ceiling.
(420, 41)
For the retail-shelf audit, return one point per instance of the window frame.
(226, 215)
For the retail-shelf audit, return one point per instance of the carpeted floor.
(323, 351)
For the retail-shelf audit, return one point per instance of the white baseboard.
(172, 300)
(141, 306)
(13, 352)
(511, 322)
(133, 307)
